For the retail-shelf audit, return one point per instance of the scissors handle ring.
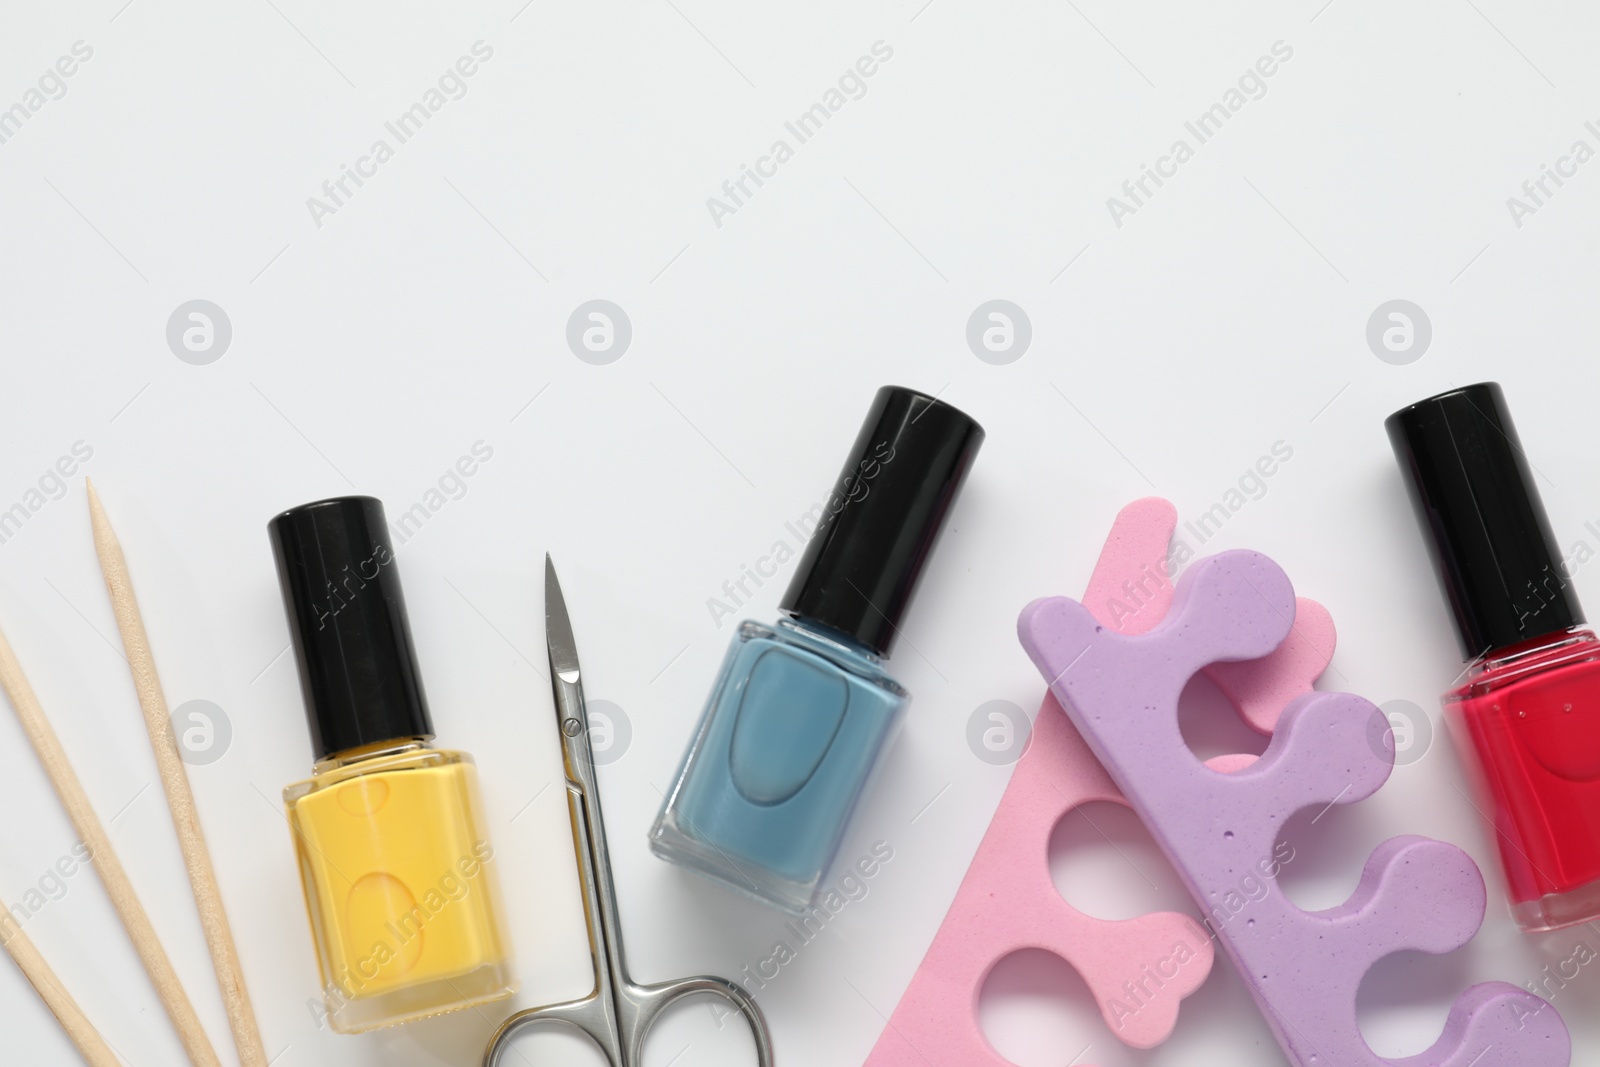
(589, 1016)
(643, 1005)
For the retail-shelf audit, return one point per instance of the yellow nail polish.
(394, 856)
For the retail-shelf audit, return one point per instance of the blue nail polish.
(801, 710)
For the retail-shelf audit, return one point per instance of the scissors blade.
(563, 649)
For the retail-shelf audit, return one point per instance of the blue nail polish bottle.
(801, 710)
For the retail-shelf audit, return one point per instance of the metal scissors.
(618, 1013)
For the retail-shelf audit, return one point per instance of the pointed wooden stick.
(180, 800)
(93, 835)
(90, 1045)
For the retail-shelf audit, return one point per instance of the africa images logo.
(1251, 85)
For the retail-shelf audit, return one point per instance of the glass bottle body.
(400, 885)
(790, 735)
(1527, 720)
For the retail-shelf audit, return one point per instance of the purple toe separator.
(1220, 830)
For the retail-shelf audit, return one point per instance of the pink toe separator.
(1138, 970)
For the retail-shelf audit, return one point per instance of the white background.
(429, 312)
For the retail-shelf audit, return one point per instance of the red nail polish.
(1527, 718)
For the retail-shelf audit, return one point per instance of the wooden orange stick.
(93, 834)
(180, 799)
(90, 1045)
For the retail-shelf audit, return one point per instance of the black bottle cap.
(1475, 498)
(347, 621)
(879, 525)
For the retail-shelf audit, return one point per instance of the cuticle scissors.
(618, 1014)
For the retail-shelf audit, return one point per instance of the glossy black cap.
(1486, 529)
(347, 621)
(879, 525)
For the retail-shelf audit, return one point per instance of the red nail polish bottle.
(1527, 718)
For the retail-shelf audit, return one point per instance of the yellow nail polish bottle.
(396, 864)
